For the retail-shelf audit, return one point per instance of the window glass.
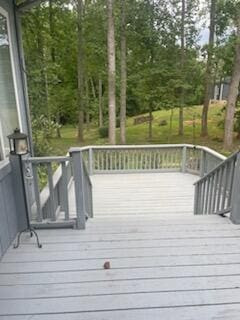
(8, 106)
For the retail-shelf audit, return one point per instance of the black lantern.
(18, 143)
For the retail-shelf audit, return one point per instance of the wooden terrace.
(165, 261)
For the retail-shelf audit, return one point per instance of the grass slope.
(138, 134)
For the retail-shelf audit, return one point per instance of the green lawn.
(138, 134)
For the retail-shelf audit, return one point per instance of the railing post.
(77, 162)
(235, 211)
(196, 200)
(18, 190)
(90, 161)
(184, 158)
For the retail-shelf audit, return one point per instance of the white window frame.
(14, 76)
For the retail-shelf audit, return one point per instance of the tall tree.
(123, 74)
(183, 12)
(209, 77)
(100, 104)
(80, 71)
(111, 74)
(235, 80)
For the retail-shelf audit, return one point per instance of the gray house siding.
(9, 214)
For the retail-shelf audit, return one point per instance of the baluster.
(115, 160)
(37, 193)
(51, 192)
(200, 201)
(219, 188)
(225, 176)
(184, 159)
(207, 183)
(150, 159)
(120, 157)
(102, 160)
(215, 191)
(211, 180)
(98, 160)
(231, 178)
(64, 191)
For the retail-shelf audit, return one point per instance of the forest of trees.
(98, 61)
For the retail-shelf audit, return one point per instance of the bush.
(103, 132)
(162, 123)
(42, 130)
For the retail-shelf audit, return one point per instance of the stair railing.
(218, 191)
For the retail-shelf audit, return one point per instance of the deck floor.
(163, 266)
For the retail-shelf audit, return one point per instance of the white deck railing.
(145, 158)
(52, 202)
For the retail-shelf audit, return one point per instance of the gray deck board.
(165, 263)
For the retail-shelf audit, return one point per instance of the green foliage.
(43, 129)
(156, 78)
(103, 132)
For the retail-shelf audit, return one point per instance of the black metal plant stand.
(29, 229)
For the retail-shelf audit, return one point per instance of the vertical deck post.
(235, 212)
(77, 162)
(18, 191)
(184, 158)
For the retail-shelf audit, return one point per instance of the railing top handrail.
(38, 160)
(151, 146)
(222, 164)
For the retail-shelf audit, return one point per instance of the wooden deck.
(164, 264)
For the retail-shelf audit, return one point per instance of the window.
(8, 102)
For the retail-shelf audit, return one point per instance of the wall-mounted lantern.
(18, 143)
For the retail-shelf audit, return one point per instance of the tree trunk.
(233, 94)
(150, 123)
(52, 30)
(58, 122)
(42, 64)
(209, 70)
(87, 106)
(182, 98)
(80, 70)
(123, 96)
(53, 54)
(111, 74)
(93, 88)
(100, 109)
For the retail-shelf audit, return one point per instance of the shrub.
(163, 123)
(103, 132)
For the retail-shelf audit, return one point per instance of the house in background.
(221, 89)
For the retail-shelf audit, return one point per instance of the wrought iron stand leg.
(32, 232)
(36, 235)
